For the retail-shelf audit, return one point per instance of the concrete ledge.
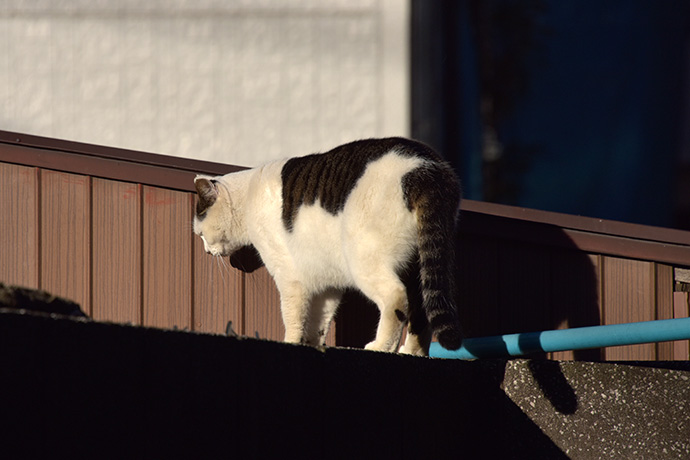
(96, 390)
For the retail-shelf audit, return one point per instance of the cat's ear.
(206, 189)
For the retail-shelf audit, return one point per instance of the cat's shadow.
(505, 286)
(536, 281)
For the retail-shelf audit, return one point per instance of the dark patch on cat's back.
(330, 177)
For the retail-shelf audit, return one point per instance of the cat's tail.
(433, 191)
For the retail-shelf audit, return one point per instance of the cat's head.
(213, 220)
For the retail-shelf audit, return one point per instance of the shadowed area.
(89, 387)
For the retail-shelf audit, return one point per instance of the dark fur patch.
(246, 259)
(409, 275)
(433, 190)
(330, 177)
(432, 182)
(401, 316)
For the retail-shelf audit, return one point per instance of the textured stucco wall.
(234, 81)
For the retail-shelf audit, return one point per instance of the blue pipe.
(579, 338)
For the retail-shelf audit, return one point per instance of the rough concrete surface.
(97, 390)
(601, 410)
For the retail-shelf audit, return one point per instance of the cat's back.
(330, 177)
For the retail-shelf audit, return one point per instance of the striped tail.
(433, 191)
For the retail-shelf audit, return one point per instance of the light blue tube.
(579, 338)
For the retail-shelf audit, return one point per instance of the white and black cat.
(362, 215)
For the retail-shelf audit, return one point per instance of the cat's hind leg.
(417, 344)
(418, 337)
(390, 297)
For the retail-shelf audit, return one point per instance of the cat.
(375, 214)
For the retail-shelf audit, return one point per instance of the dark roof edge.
(113, 153)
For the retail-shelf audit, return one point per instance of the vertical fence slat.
(332, 334)
(575, 296)
(116, 251)
(66, 236)
(523, 284)
(629, 297)
(262, 306)
(663, 291)
(355, 321)
(478, 291)
(167, 287)
(19, 225)
(218, 292)
(681, 309)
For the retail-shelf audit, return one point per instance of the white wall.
(234, 81)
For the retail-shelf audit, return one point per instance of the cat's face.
(211, 218)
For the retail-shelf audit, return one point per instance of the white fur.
(360, 247)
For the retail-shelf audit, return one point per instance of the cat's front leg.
(294, 308)
(323, 307)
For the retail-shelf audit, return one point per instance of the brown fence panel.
(218, 293)
(478, 291)
(167, 267)
(111, 229)
(19, 229)
(575, 294)
(66, 236)
(523, 287)
(663, 290)
(356, 320)
(629, 296)
(681, 309)
(262, 306)
(117, 254)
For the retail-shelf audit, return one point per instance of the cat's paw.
(378, 346)
(412, 350)
(372, 346)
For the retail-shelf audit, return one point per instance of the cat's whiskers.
(222, 264)
(218, 266)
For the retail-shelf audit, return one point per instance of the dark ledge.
(92, 389)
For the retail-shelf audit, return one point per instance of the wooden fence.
(111, 229)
